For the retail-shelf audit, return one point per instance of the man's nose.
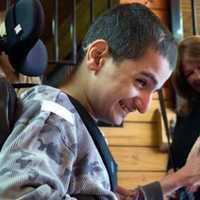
(145, 101)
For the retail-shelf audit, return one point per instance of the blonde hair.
(189, 47)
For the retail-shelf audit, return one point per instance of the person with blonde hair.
(186, 82)
(185, 78)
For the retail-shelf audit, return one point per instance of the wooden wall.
(187, 17)
(136, 145)
(159, 7)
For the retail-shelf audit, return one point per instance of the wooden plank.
(137, 134)
(149, 116)
(159, 7)
(186, 9)
(166, 94)
(133, 179)
(139, 158)
(155, 104)
(156, 4)
(186, 5)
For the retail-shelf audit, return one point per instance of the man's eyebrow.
(150, 76)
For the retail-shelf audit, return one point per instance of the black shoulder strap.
(99, 141)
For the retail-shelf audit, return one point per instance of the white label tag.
(57, 109)
(18, 29)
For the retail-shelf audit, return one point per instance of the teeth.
(124, 107)
(134, 109)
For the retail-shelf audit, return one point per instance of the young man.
(56, 151)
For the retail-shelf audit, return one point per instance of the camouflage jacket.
(50, 157)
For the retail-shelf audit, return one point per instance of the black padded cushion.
(30, 15)
(8, 103)
(36, 60)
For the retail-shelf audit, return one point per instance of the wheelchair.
(24, 23)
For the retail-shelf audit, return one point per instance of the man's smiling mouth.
(127, 108)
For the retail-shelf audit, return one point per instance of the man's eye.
(141, 83)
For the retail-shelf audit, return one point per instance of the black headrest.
(24, 24)
(8, 102)
(35, 62)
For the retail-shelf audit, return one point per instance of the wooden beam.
(134, 179)
(83, 22)
(133, 134)
(139, 159)
(159, 7)
(156, 4)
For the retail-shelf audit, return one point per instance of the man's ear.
(96, 54)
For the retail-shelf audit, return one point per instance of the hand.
(126, 193)
(188, 176)
(173, 195)
(192, 166)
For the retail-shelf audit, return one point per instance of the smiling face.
(191, 70)
(117, 89)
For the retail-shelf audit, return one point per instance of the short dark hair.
(130, 29)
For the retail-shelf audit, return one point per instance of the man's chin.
(117, 121)
(113, 121)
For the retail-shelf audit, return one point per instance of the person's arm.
(146, 192)
(125, 194)
(35, 162)
(188, 176)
